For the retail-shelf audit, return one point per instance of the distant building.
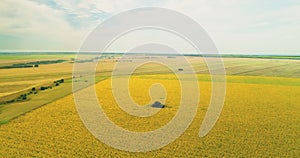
(180, 69)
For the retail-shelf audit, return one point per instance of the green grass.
(4, 122)
(13, 110)
(293, 57)
(24, 56)
(280, 81)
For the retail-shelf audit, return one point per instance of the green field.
(34, 56)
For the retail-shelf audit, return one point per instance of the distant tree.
(10, 101)
(62, 80)
(57, 84)
(24, 97)
(43, 88)
(33, 89)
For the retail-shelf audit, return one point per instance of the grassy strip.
(2, 122)
(31, 64)
(16, 109)
(233, 79)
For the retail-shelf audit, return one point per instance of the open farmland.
(257, 120)
(260, 117)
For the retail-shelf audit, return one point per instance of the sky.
(236, 26)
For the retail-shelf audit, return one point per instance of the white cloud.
(236, 26)
(32, 22)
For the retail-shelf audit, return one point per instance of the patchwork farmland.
(260, 117)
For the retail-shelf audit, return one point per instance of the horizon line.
(155, 53)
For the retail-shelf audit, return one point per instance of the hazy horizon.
(154, 53)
